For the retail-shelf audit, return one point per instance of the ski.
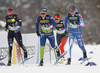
(2, 64)
(60, 58)
(62, 61)
(85, 60)
(26, 59)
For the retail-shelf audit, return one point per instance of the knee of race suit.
(20, 43)
(80, 44)
(10, 43)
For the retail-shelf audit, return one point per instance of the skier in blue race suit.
(13, 24)
(47, 23)
(76, 21)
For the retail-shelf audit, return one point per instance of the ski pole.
(50, 50)
(38, 51)
(53, 46)
(50, 53)
(80, 35)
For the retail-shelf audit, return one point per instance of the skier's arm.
(6, 26)
(81, 21)
(37, 27)
(37, 24)
(52, 21)
(19, 22)
(66, 20)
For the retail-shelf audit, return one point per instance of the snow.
(2, 23)
(75, 66)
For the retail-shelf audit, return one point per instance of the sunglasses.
(71, 11)
(43, 13)
(56, 18)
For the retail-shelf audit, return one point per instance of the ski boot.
(41, 62)
(58, 54)
(69, 61)
(9, 63)
(84, 56)
(25, 55)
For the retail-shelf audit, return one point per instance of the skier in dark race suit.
(61, 33)
(13, 24)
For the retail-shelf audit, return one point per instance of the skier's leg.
(79, 38)
(58, 37)
(51, 39)
(63, 42)
(18, 38)
(71, 41)
(42, 43)
(10, 43)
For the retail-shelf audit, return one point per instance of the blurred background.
(28, 11)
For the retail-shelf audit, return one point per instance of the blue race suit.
(46, 32)
(75, 30)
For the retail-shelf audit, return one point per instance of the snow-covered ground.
(75, 66)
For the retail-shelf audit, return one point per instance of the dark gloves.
(66, 32)
(38, 34)
(6, 29)
(77, 22)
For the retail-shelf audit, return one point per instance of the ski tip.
(80, 59)
(91, 52)
(91, 64)
(2, 64)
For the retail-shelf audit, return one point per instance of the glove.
(66, 32)
(77, 22)
(38, 34)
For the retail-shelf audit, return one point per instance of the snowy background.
(28, 11)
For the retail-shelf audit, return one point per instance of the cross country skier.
(61, 33)
(76, 21)
(13, 24)
(47, 23)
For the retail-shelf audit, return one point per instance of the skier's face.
(72, 12)
(57, 20)
(43, 14)
(10, 16)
